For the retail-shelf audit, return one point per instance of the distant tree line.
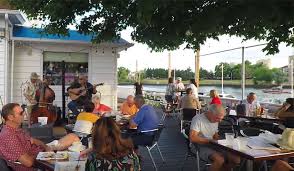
(259, 72)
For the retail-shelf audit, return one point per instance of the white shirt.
(179, 86)
(30, 91)
(201, 124)
(250, 108)
(194, 89)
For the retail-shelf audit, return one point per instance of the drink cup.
(229, 138)
(43, 120)
(90, 142)
(73, 156)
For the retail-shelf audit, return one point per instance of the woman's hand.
(84, 153)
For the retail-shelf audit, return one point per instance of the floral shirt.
(129, 162)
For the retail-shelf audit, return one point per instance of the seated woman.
(286, 113)
(189, 101)
(110, 151)
(215, 98)
(86, 119)
(99, 107)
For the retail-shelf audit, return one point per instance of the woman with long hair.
(193, 86)
(110, 151)
(214, 97)
(170, 91)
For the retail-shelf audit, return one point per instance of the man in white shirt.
(204, 128)
(251, 104)
(179, 86)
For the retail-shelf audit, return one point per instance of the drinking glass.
(229, 138)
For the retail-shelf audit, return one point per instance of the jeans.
(73, 107)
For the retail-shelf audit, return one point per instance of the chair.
(241, 109)
(154, 143)
(4, 166)
(228, 125)
(188, 115)
(192, 152)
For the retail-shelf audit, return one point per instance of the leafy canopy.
(167, 24)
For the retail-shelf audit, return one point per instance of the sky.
(184, 58)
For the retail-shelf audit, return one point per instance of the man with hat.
(179, 86)
(29, 91)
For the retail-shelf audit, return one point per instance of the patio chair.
(192, 148)
(154, 143)
(4, 166)
(187, 116)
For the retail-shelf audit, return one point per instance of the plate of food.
(45, 155)
(60, 155)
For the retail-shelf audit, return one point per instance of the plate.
(45, 156)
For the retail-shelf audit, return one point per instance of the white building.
(266, 62)
(24, 50)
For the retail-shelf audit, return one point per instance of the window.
(75, 64)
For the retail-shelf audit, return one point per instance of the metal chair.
(187, 116)
(192, 152)
(154, 143)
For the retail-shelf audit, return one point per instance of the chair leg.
(181, 125)
(198, 161)
(160, 153)
(149, 151)
(163, 117)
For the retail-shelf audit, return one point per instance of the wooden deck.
(173, 148)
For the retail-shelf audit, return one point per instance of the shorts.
(205, 152)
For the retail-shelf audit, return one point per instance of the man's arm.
(195, 138)
(40, 143)
(132, 124)
(27, 160)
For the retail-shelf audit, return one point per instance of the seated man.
(99, 107)
(86, 119)
(80, 92)
(204, 128)
(189, 101)
(251, 104)
(128, 107)
(145, 119)
(16, 145)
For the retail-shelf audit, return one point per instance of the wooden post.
(197, 66)
(169, 65)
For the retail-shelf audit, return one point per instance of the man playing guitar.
(80, 93)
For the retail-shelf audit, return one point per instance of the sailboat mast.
(222, 78)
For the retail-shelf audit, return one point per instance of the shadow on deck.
(173, 148)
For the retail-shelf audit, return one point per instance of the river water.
(235, 91)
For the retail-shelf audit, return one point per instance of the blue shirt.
(146, 118)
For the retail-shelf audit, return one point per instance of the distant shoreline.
(230, 83)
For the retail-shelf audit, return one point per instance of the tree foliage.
(123, 73)
(167, 24)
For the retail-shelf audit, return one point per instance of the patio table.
(253, 155)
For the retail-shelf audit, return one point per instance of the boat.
(276, 90)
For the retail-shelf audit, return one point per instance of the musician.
(84, 90)
(29, 91)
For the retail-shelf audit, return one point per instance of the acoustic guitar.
(75, 93)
